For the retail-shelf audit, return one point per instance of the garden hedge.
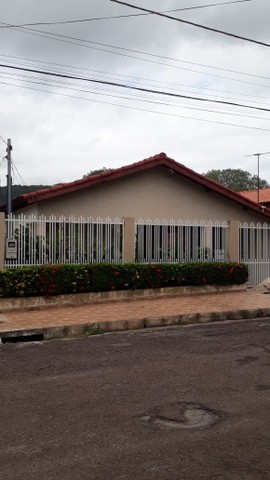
(49, 280)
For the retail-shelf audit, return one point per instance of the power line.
(31, 61)
(142, 53)
(193, 24)
(3, 140)
(19, 176)
(149, 111)
(83, 20)
(132, 87)
(85, 43)
(135, 99)
(28, 79)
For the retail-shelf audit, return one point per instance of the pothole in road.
(182, 416)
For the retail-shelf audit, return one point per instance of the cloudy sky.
(63, 128)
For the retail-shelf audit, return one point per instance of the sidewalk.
(68, 321)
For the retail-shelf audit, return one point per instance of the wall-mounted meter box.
(11, 249)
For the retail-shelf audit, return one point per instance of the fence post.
(233, 241)
(129, 240)
(2, 240)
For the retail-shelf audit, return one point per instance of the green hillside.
(18, 190)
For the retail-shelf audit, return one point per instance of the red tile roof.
(264, 195)
(109, 176)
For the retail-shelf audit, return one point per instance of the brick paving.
(132, 310)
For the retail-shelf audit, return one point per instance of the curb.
(89, 329)
(25, 303)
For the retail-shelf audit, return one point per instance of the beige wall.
(30, 210)
(157, 193)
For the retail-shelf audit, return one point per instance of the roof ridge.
(160, 159)
(81, 181)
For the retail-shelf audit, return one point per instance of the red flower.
(219, 267)
(231, 269)
(204, 280)
(116, 274)
(113, 287)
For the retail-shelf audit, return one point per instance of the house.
(157, 187)
(261, 196)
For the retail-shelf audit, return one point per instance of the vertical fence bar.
(254, 250)
(181, 241)
(48, 240)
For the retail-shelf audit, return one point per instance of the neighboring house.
(261, 196)
(157, 187)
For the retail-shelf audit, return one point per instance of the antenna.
(258, 168)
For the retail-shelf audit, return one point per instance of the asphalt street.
(184, 403)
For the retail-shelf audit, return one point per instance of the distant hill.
(18, 190)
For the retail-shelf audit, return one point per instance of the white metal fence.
(254, 250)
(51, 240)
(181, 241)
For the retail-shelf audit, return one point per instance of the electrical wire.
(90, 44)
(193, 24)
(19, 176)
(135, 98)
(145, 110)
(33, 61)
(132, 87)
(143, 53)
(83, 20)
(51, 82)
(3, 140)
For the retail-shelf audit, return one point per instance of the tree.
(236, 179)
(96, 172)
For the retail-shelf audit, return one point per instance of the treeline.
(18, 190)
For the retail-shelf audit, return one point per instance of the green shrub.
(60, 279)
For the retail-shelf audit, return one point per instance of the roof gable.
(146, 164)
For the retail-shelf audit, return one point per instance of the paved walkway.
(158, 311)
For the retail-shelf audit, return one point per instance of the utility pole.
(9, 178)
(258, 169)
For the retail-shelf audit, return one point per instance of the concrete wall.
(157, 193)
(30, 210)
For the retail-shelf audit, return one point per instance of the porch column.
(233, 241)
(129, 240)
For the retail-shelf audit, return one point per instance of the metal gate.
(254, 250)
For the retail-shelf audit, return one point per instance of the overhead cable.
(133, 98)
(132, 87)
(149, 111)
(83, 20)
(142, 79)
(89, 44)
(179, 60)
(193, 24)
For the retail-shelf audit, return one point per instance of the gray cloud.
(59, 138)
